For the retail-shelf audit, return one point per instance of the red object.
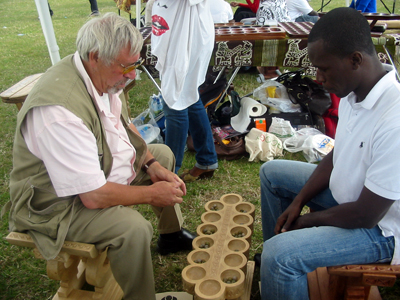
(252, 5)
(331, 116)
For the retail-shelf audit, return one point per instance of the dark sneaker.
(95, 13)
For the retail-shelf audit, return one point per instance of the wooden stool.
(19, 91)
(351, 282)
(75, 265)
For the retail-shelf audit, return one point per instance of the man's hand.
(318, 181)
(165, 194)
(366, 212)
(158, 173)
(234, 4)
(287, 219)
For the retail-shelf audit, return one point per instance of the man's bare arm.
(161, 194)
(366, 212)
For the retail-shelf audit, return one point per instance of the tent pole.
(48, 30)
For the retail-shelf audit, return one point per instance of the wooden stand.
(249, 281)
(75, 265)
(351, 282)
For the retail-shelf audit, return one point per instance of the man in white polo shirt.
(354, 191)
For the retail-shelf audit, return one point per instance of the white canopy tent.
(48, 30)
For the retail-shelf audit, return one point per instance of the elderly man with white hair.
(80, 164)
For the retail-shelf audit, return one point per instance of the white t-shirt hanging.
(182, 40)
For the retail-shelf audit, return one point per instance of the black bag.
(220, 106)
(311, 96)
(222, 114)
(211, 90)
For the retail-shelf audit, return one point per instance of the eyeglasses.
(133, 66)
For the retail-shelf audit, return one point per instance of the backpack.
(219, 110)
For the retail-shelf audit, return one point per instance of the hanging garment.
(182, 40)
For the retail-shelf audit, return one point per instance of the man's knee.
(270, 168)
(278, 252)
(140, 230)
(132, 226)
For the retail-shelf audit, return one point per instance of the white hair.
(108, 35)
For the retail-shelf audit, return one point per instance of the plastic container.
(261, 124)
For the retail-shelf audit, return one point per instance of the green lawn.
(24, 52)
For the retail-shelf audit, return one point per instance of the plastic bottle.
(156, 105)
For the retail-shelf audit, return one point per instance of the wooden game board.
(297, 29)
(218, 265)
(242, 33)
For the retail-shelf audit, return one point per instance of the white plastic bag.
(149, 133)
(148, 128)
(314, 144)
(274, 94)
(262, 145)
(281, 128)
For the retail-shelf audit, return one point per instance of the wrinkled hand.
(288, 219)
(159, 173)
(165, 194)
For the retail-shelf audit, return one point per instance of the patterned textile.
(272, 10)
(289, 52)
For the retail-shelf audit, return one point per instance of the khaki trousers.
(128, 235)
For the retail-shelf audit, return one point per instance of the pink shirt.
(68, 148)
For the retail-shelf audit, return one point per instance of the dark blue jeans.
(193, 119)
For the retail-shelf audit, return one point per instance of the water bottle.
(156, 105)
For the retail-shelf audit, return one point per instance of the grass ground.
(24, 52)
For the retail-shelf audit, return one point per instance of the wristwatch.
(147, 165)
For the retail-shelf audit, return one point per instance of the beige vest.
(35, 207)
